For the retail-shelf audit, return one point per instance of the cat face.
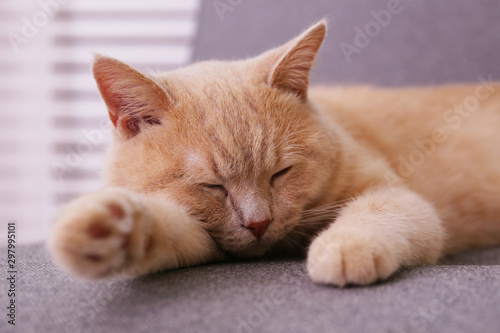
(236, 143)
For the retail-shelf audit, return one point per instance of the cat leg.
(117, 232)
(375, 234)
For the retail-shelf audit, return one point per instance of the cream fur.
(405, 175)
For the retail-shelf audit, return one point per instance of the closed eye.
(151, 120)
(215, 187)
(280, 174)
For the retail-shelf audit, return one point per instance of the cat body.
(439, 141)
(239, 159)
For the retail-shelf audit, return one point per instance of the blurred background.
(54, 127)
(53, 124)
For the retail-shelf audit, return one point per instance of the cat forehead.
(196, 160)
(208, 169)
(214, 80)
(229, 155)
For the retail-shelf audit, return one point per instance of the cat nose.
(258, 228)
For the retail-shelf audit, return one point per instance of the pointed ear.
(295, 59)
(133, 99)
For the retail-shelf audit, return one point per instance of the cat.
(241, 159)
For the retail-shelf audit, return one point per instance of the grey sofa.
(424, 43)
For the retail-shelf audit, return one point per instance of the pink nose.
(258, 228)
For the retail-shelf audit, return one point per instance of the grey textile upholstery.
(424, 42)
(462, 295)
(427, 42)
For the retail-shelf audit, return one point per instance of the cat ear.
(133, 99)
(291, 71)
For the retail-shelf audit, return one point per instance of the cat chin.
(255, 251)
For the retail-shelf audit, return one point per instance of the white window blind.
(53, 124)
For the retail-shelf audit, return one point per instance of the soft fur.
(368, 180)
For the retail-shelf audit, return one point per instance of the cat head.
(237, 143)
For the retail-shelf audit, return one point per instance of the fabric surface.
(419, 42)
(461, 295)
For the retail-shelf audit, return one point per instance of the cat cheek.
(278, 185)
(282, 183)
(285, 184)
(212, 201)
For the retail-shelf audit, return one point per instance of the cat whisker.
(329, 207)
(292, 243)
(318, 217)
(299, 233)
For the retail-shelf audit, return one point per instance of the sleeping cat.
(240, 159)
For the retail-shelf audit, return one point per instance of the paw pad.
(92, 257)
(116, 211)
(99, 231)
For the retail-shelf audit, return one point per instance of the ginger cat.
(239, 159)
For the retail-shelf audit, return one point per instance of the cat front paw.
(342, 258)
(100, 234)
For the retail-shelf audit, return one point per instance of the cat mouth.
(257, 247)
(241, 243)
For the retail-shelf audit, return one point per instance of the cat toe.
(342, 261)
(92, 238)
(325, 264)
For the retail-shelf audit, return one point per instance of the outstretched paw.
(346, 258)
(100, 234)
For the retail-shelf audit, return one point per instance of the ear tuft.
(133, 99)
(291, 72)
